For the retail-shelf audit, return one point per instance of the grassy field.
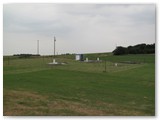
(31, 87)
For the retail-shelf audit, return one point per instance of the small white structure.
(56, 63)
(97, 59)
(116, 64)
(79, 57)
(86, 59)
(53, 63)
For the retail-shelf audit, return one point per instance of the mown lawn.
(31, 87)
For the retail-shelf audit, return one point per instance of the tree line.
(137, 49)
(26, 55)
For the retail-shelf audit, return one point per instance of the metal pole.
(54, 45)
(105, 66)
(37, 47)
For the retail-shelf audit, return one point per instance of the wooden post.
(8, 60)
(105, 67)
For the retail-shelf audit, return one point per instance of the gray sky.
(79, 28)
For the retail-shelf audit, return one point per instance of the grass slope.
(33, 88)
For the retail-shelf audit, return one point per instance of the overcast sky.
(79, 28)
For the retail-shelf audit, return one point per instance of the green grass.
(80, 88)
(145, 58)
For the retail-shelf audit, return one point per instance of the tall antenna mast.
(37, 47)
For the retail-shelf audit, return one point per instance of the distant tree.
(26, 55)
(120, 51)
(137, 49)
